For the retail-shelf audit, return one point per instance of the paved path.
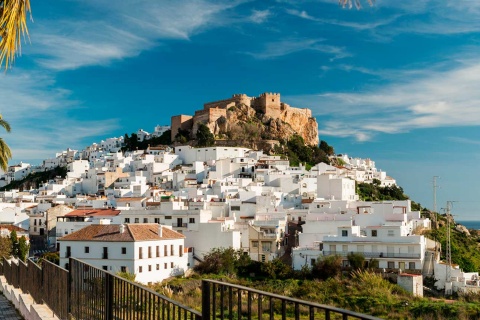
(7, 310)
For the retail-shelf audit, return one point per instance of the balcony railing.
(179, 225)
(374, 254)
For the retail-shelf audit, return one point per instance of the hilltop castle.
(267, 107)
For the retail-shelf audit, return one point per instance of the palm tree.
(13, 26)
(5, 153)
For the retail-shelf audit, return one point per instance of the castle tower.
(268, 104)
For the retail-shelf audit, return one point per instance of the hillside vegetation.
(360, 290)
(465, 248)
(34, 180)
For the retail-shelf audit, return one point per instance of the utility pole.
(435, 201)
(448, 256)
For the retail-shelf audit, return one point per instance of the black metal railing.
(375, 254)
(228, 301)
(87, 292)
(97, 294)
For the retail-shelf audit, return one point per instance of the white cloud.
(288, 46)
(123, 30)
(431, 99)
(260, 16)
(38, 113)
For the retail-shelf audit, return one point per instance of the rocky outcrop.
(252, 120)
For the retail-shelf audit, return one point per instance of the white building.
(150, 251)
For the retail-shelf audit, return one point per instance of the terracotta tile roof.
(93, 212)
(133, 232)
(11, 227)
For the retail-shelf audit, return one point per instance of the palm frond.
(4, 124)
(5, 155)
(13, 26)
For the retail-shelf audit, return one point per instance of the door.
(179, 222)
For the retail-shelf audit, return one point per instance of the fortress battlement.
(267, 105)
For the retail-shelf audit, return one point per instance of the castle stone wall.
(183, 122)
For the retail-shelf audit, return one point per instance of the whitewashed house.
(150, 251)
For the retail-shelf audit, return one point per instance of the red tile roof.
(11, 227)
(133, 232)
(93, 212)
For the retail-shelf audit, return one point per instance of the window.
(344, 233)
(105, 253)
(87, 249)
(157, 220)
(171, 265)
(127, 220)
(374, 233)
(123, 269)
(391, 264)
(165, 251)
(149, 268)
(140, 269)
(171, 250)
(345, 263)
(158, 266)
(140, 253)
(69, 252)
(411, 265)
(137, 220)
(263, 258)
(158, 251)
(390, 233)
(266, 246)
(145, 220)
(191, 220)
(168, 217)
(149, 252)
(235, 208)
(255, 244)
(333, 248)
(124, 250)
(180, 250)
(165, 265)
(312, 262)
(344, 248)
(105, 268)
(34, 222)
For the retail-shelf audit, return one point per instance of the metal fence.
(228, 301)
(87, 292)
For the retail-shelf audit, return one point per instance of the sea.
(469, 224)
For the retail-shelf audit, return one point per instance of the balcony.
(375, 254)
(179, 225)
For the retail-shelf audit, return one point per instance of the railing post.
(205, 300)
(108, 296)
(69, 287)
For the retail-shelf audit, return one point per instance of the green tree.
(14, 242)
(23, 248)
(13, 26)
(5, 247)
(326, 148)
(356, 260)
(204, 137)
(53, 257)
(328, 267)
(5, 153)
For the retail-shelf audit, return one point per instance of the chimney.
(122, 228)
(160, 231)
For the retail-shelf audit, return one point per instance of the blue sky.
(397, 82)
